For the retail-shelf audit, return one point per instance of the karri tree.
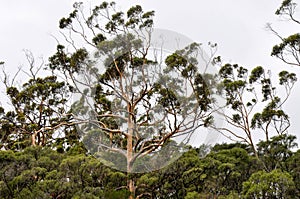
(132, 101)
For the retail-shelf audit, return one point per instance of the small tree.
(239, 88)
(37, 116)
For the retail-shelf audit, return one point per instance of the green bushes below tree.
(221, 171)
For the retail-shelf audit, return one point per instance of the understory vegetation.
(222, 171)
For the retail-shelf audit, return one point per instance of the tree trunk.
(131, 187)
(130, 182)
(33, 139)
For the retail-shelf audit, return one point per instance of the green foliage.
(113, 194)
(288, 49)
(275, 184)
(227, 171)
(294, 169)
(192, 195)
(275, 152)
(286, 7)
(68, 63)
(269, 113)
(44, 173)
(287, 78)
(289, 44)
(36, 115)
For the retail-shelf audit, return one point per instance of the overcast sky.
(238, 26)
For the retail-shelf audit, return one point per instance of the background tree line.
(221, 171)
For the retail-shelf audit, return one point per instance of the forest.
(112, 115)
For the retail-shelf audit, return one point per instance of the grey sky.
(238, 26)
